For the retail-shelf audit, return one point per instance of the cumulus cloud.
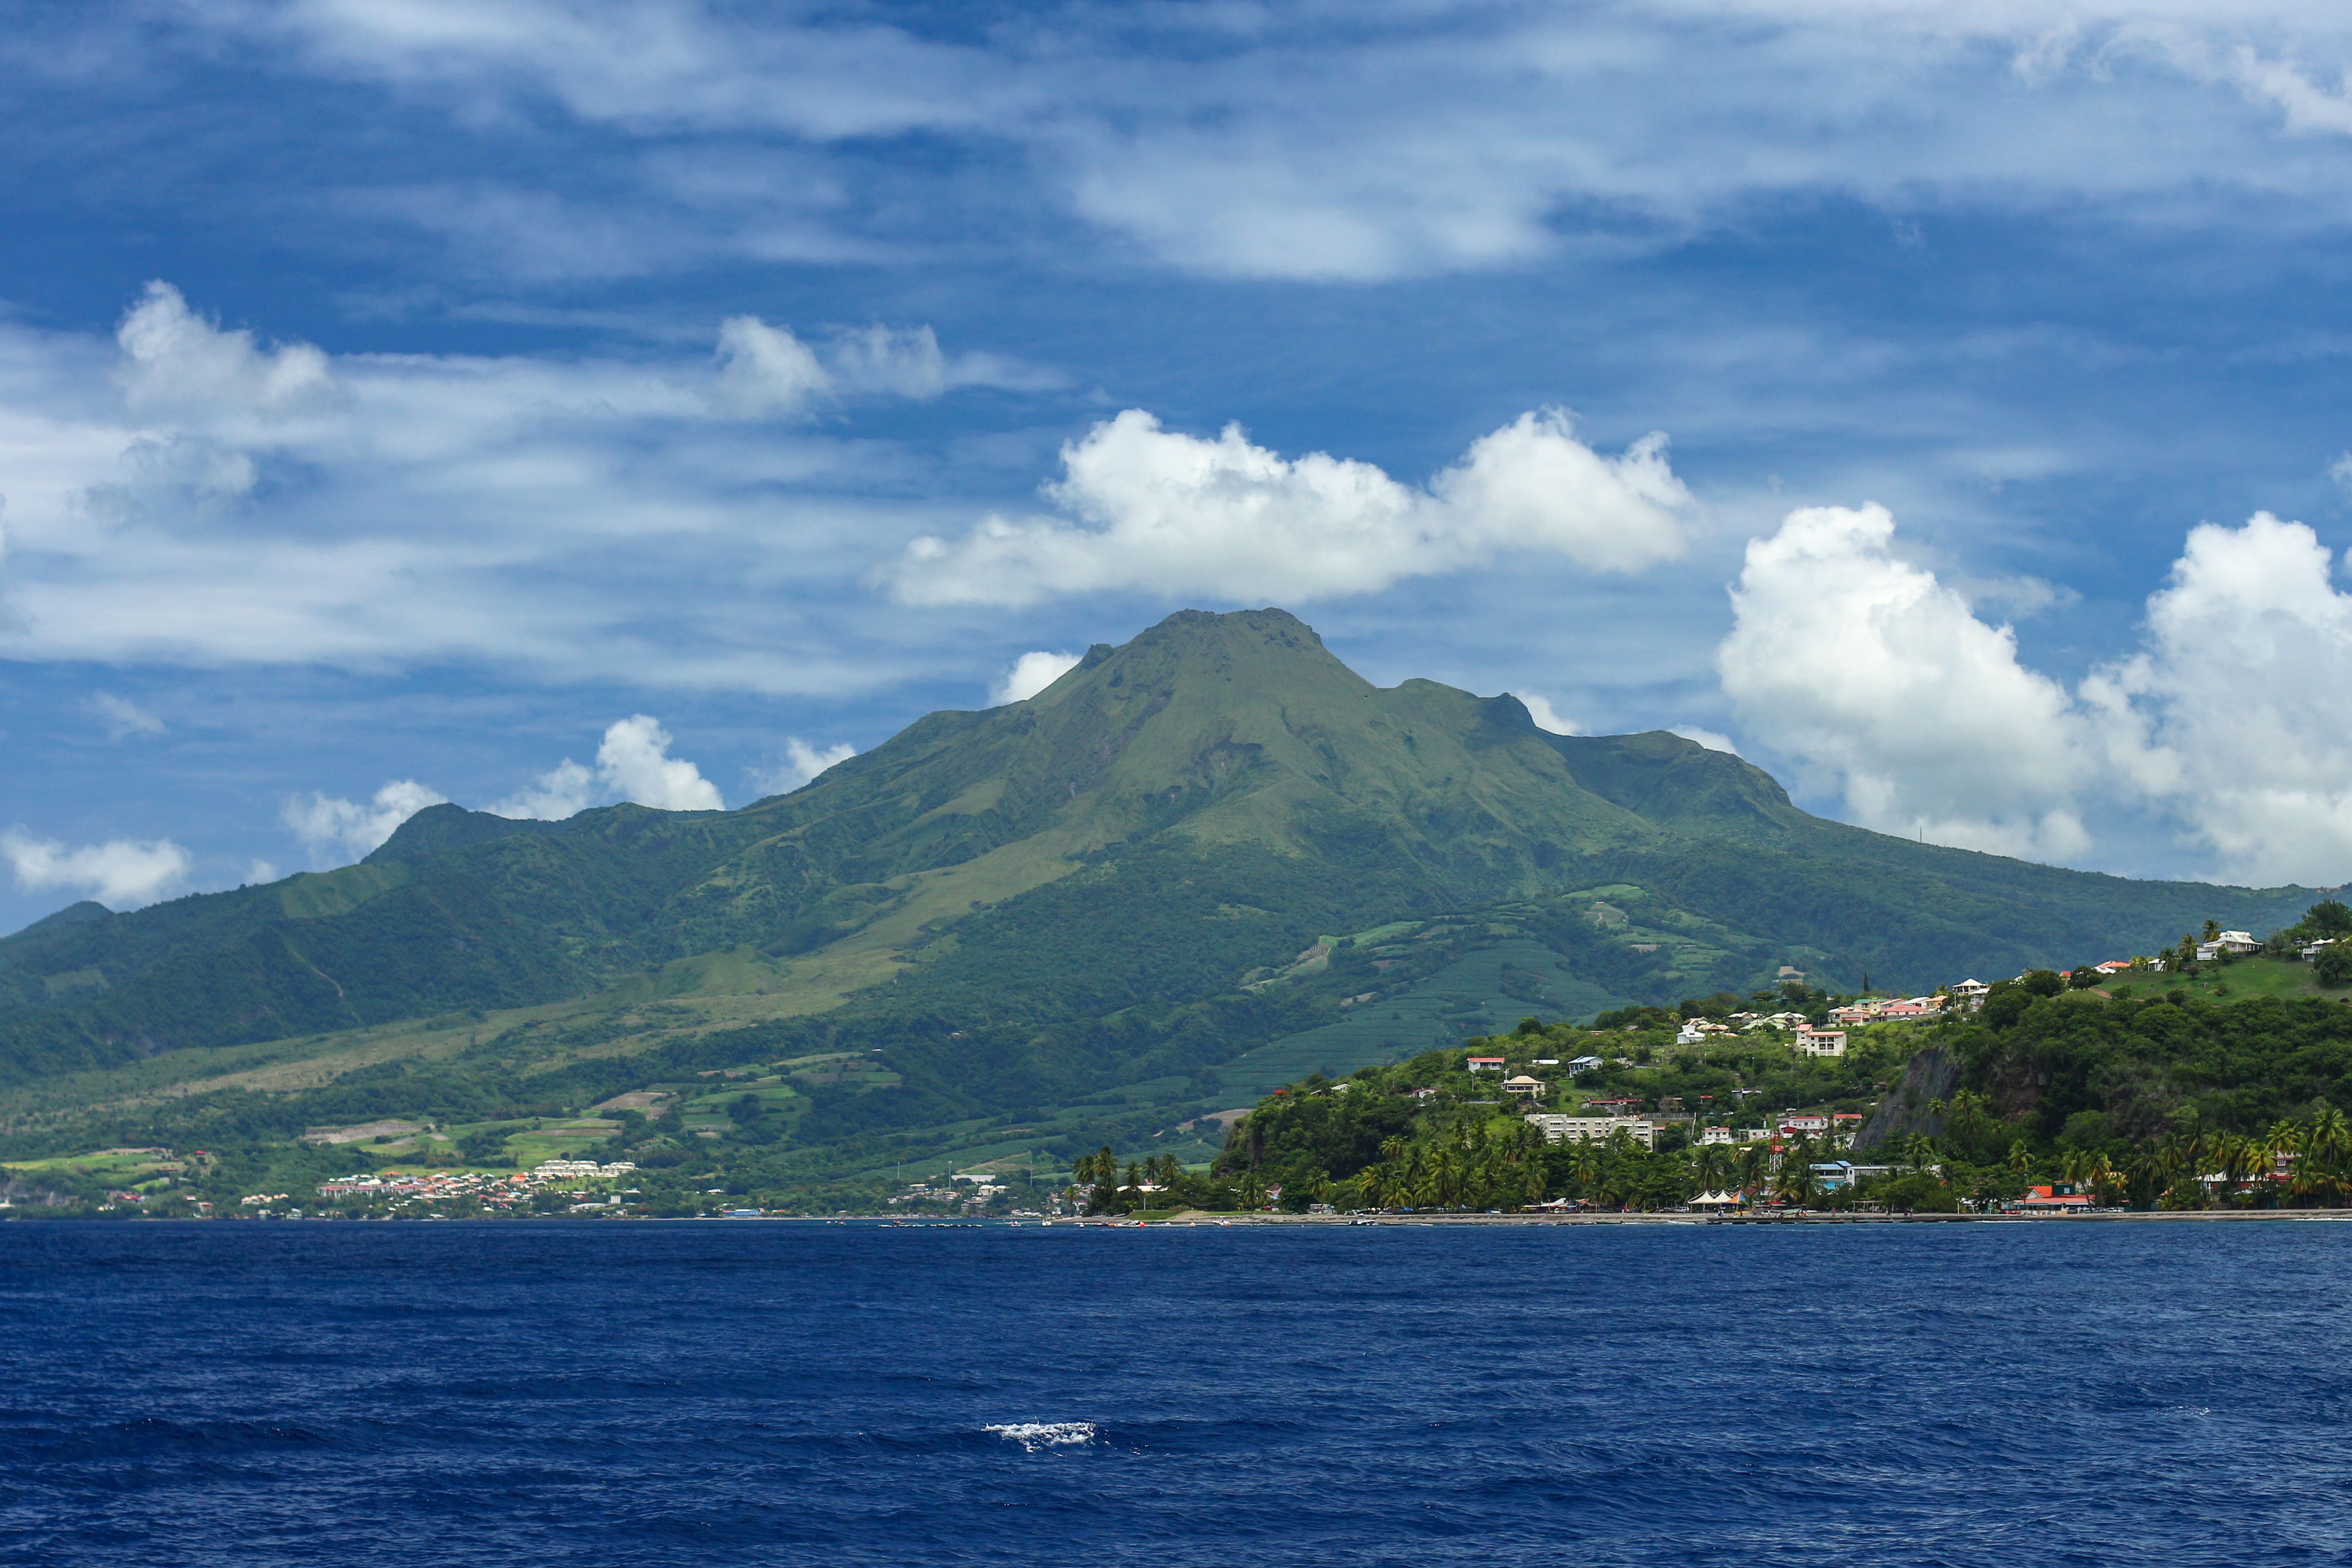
(802, 764)
(121, 873)
(336, 831)
(2233, 716)
(562, 791)
(1714, 740)
(2227, 721)
(174, 359)
(634, 758)
(1877, 675)
(1170, 513)
(123, 718)
(633, 763)
(1030, 674)
(766, 371)
(1546, 717)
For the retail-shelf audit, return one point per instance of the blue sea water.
(617, 1393)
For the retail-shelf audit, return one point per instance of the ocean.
(638, 1394)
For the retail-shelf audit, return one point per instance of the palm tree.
(2020, 1158)
(1799, 1182)
(1712, 1169)
(1755, 1164)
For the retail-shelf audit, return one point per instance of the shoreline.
(1200, 1219)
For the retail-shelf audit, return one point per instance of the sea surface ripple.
(608, 1394)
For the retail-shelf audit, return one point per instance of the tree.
(1712, 1167)
(2333, 966)
(2213, 930)
(2328, 917)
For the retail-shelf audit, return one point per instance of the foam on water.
(1035, 1435)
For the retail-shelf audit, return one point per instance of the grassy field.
(2241, 981)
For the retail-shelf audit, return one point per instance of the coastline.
(1200, 1217)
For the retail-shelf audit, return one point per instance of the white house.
(1820, 1042)
(1486, 1065)
(1583, 1063)
(1970, 995)
(1533, 1088)
(1715, 1136)
(2227, 941)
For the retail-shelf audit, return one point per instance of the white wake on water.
(1035, 1434)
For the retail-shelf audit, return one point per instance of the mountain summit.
(1189, 850)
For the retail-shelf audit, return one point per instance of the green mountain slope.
(1118, 888)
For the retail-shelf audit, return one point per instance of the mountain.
(1195, 862)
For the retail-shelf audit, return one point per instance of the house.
(2230, 941)
(2313, 949)
(1715, 1136)
(1533, 1088)
(1820, 1042)
(1831, 1175)
(1621, 1106)
(1970, 995)
(1910, 1010)
(1423, 1094)
(1857, 1013)
(1812, 1123)
(2113, 966)
(1754, 1134)
(1584, 1064)
(1561, 1129)
(1486, 1065)
(2051, 1200)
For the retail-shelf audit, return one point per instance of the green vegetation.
(1204, 864)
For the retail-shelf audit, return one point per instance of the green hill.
(1197, 864)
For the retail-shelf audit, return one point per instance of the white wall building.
(1558, 1128)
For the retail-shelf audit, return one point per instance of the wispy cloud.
(200, 496)
(123, 718)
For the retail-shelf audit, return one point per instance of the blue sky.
(534, 404)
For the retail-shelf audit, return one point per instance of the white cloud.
(175, 361)
(1546, 717)
(260, 873)
(123, 718)
(802, 762)
(1267, 142)
(633, 763)
(1714, 740)
(1175, 514)
(336, 831)
(1030, 674)
(2341, 472)
(121, 873)
(2227, 721)
(1884, 683)
(2233, 716)
(564, 790)
(635, 760)
(185, 495)
(765, 370)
